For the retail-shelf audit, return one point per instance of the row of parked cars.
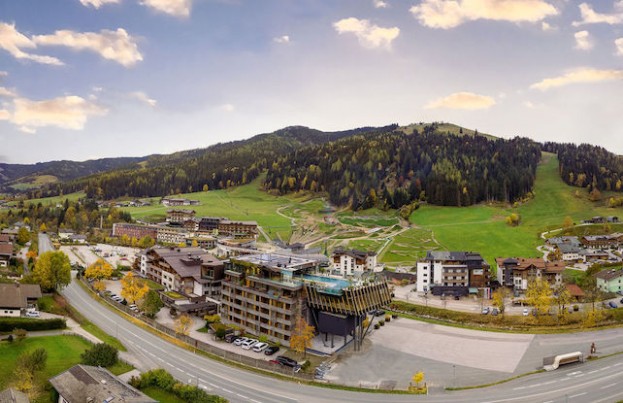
(248, 343)
(119, 299)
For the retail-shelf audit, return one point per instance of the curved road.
(596, 381)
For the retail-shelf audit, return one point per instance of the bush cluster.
(9, 324)
(163, 380)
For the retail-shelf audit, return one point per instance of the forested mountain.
(392, 169)
(216, 167)
(588, 166)
(11, 174)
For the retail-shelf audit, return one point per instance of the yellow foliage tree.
(133, 288)
(43, 228)
(182, 324)
(99, 270)
(498, 299)
(99, 286)
(418, 378)
(567, 223)
(539, 295)
(52, 270)
(302, 336)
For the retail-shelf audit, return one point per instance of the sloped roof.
(11, 395)
(575, 290)
(15, 295)
(6, 249)
(82, 382)
(610, 274)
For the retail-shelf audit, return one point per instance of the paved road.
(589, 382)
(596, 381)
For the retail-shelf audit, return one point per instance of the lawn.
(408, 246)
(483, 229)
(246, 203)
(52, 200)
(63, 353)
(161, 395)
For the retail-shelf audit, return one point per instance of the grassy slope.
(63, 353)
(239, 203)
(483, 229)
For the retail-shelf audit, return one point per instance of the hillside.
(20, 177)
(393, 169)
(219, 166)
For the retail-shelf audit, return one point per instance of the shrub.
(28, 324)
(377, 326)
(102, 355)
(220, 330)
(20, 333)
(381, 322)
(163, 380)
(388, 318)
(212, 319)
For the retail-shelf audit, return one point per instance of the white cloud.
(177, 8)
(4, 114)
(27, 130)
(282, 39)
(380, 4)
(619, 44)
(13, 42)
(3, 73)
(369, 35)
(590, 16)
(112, 45)
(462, 100)
(583, 40)
(227, 108)
(547, 27)
(452, 13)
(97, 3)
(5, 92)
(67, 112)
(141, 96)
(578, 76)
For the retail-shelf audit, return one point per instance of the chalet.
(237, 229)
(169, 201)
(575, 291)
(12, 395)
(84, 383)
(566, 240)
(569, 252)
(452, 272)
(180, 216)
(64, 234)
(190, 271)
(352, 262)
(610, 280)
(137, 231)
(517, 272)
(15, 298)
(600, 241)
(594, 255)
(6, 253)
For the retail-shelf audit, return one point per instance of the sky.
(85, 79)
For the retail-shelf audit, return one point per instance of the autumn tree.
(52, 270)
(554, 255)
(151, 303)
(539, 295)
(302, 335)
(23, 236)
(498, 299)
(418, 378)
(43, 228)
(146, 242)
(513, 220)
(567, 223)
(182, 324)
(99, 270)
(133, 288)
(562, 298)
(592, 293)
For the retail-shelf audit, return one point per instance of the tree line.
(392, 169)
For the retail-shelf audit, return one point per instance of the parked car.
(485, 310)
(287, 361)
(33, 314)
(525, 312)
(230, 338)
(239, 341)
(612, 304)
(259, 347)
(621, 301)
(248, 344)
(271, 350)
(495, 312)
(377, 312)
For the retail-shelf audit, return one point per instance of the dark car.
(230, 338)
(612, 304)
(621, 301)
(378, 312)
(287, 361)
(270, 350)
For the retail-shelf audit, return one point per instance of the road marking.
(612, 398)
(576, 395)
(227, 390)
(242, 396)
(549, 401)
(608, 386)
(604, 368)
(574, 373)
(617, 364)
(593, 371)
(519, 388)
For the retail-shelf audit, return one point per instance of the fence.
(206, 347)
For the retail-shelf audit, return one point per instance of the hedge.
(31, 324)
